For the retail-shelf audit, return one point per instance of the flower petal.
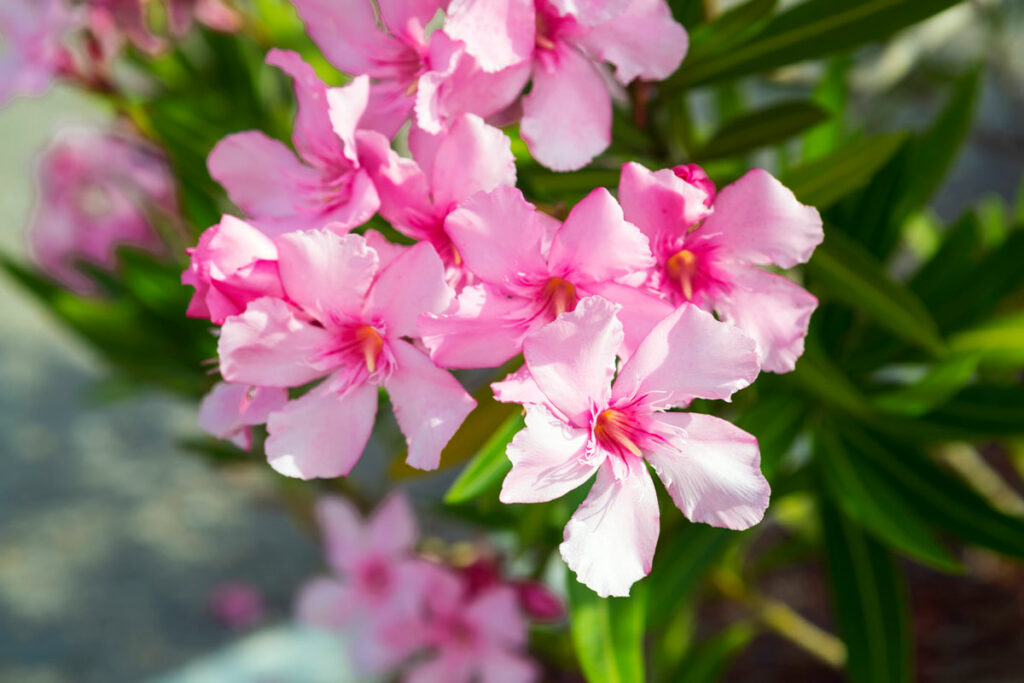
(595, 243)
(519, 387)
(392, 531)
(472, 157)
(546, 459)
(312, 133)
(346, 32)
(572, 359)
(496, 614)
(567, 115)
(689, 355)
(773, 311)
(325, 273)
(261, 175)
(591, 12)
(660, 203)
(478, 331)
(610, 540)
(640, 311)
(644, 41)
(758, 220)
(324, 603)
(408, 17)
(412, 285)
(498, 33)
(429, 403)
(714, 473)
(323, 433)
(504, 666)
(345, 107)
(270, 345)
(229, 408)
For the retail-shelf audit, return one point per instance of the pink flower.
(327, 184)
(233, 264)
(567, 116)
(471, 637)
(33, 35)
(377, 588)
(230, 410)
(418, 194)
(710, 248)
(535, 599)
(215, 14)
(346, 320)
(531, 268)
(237, 604)
(580, 422)
(97, 191)
(411, 72)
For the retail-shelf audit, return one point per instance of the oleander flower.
(567, 115)
(711, 250)
(345, 320)
(34, 52)
(230, 411)
(584, 419)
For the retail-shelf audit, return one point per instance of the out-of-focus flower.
(710, 250)
(580, 422)
(418, 194)
(233, 264)
(328, 183)
(535, 599)
(347, 320)
(34, 53)
(531, 268)
(237, 604)
(229, 411)
(97, 191)
(567, 115)
(113, 20)
(412, 72)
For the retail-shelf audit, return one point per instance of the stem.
(783, 620)
(965, 460)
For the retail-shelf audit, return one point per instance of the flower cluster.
(401, 610)
(625, 311)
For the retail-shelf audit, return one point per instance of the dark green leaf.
(945, 378)
(870, 600)
(832, 95)
(608, 633)
(999, 341)
(825, 181)
(768, 126)
(683, 560)
(705, 662)
(488, 467)
(737, 25)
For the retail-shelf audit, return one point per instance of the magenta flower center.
(558, 296)
(616, 432)
(369, 345)
(681, 268)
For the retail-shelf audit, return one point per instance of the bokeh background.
(112, 537)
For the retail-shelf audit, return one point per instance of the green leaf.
(776, 419)
(807, 31)
(832, 95)
(945, 378)
(684, 559)
(825, 181)
(488, 467)
(848, 273)
(706, 661)
(866, 496)
(983, 411)
(870, 602)
(820, 377)
(733, 27)
(608, 633)
(768, 126)
(999, 341)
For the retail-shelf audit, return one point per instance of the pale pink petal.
(758, 220)
(771, 310)
(480, 330)
(429, 403)
(519, 387)
(660, 203)
(567, 116)
(346, 32)
(345, 107)
(596, 244)
(642, 42)
(344, 537)
(387, 251)
(591, 12)
(502, 666)
(714, 473)
(547, 459)
(401, 183)
(391, 531)
(689, 355)
(270, 345)
(498, 33)
(408, 17)
(229, 408)
(472, 157)
(389, 107)
(412, 285)
(498, 235)
(573, 358)
(444, 55)
(640, 311)
(362, 202)
(448, 667)
(261, 175)
(325, 273)
(312, 133)
(496, 615)
(609, 542)
(323, 433)
(325, 603)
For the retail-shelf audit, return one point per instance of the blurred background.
(115, 543)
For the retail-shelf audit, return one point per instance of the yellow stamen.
(560, 295)
(545, 43)
(682, 268)
(611, 427)
(413, 88)
(371, 344)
